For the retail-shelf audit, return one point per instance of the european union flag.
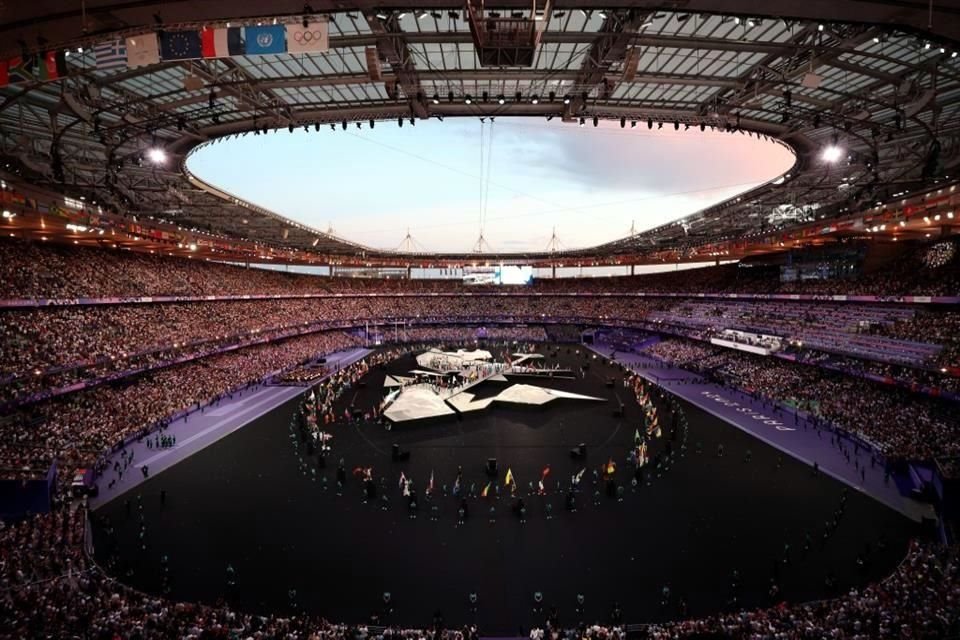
(268, 39)
(180, 45)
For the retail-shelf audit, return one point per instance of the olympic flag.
(313, 38)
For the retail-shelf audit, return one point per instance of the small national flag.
(111, 55)
(486, 490)
(33, 68)
(264, 40)
(543, 477)
(142, 50)
(508, 480)
(222, 43)
(579, 476)
(610, 468)
(312, 38)
(181, 45)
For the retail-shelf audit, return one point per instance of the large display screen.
(513, 275)
(503, 274)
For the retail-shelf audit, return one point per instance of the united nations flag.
(266, 39)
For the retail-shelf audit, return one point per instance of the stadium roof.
(873, 80)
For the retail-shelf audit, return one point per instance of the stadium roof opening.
(434, 186)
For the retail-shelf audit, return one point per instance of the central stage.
(444, 387)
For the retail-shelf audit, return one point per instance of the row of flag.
(40, 67)
(211, 42)
(190, 44)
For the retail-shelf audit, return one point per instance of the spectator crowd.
(49, 588)
(901, 423)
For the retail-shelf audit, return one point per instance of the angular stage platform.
(411, 401)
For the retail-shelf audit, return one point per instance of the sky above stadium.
(518, 179)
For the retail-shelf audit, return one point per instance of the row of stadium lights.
(833, 153)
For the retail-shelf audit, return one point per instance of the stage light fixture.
(468, 99)
(157, 155)
(501, 99)
(535, 100)
(832, 153)
(566, 99)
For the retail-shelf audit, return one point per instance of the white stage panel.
(528, 394)
(417, 402)
(465, 403)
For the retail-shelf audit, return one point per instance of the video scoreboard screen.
(501, 275)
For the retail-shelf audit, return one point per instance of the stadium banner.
(312, 38)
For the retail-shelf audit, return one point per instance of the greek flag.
(111, 55)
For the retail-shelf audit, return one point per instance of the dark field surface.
(257, 501)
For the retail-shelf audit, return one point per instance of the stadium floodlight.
(157, 155)
(832, 153)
